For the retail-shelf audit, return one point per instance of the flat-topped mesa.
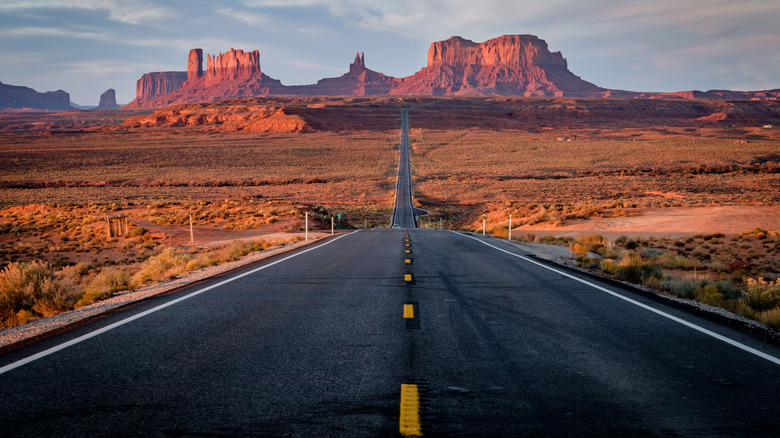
(510, 65)
(512, 51)
(153, 85)
(232, 65)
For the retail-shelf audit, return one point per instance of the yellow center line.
(409, 421)
(408, 311)
(407, 277)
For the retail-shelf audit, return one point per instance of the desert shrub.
(594, 242)
(238, 249)
(140, 231)
(631, 268)
(587, 262)
(168, 263)
(673, 261)
(499, 231)
(31, 289)
(578, 249)
(105, 284)
(728, 290)
(609, 266)
(709, 294)
(682, 287)
(718, 266)
(770, 317)
(653, 283)
(761, 295)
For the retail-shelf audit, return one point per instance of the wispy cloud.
(107, 67)
(251, 18)
(127, 11)
(35, 31)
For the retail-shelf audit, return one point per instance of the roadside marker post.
(331, 225)
(484, 221)
(306, 226)
(510, 228)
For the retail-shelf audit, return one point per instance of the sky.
(88, 46)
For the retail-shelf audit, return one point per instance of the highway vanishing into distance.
(391, 332)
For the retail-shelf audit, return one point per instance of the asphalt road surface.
(403, 214)
(384, 332)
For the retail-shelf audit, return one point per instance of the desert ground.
(669, 175)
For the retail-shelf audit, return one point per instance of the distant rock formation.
(510, 65)
(358, 81)
(232, 74)
(108, 100)
(17, 97)
(156, 84)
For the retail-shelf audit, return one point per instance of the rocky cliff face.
(108, 100)
(16, 97)
(232, 65)
(156, 84)
(514, 65)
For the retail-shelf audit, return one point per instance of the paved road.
(317, 345)
(333, 341)
(403, 214)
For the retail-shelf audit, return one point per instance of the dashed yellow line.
(409, 421)
(408, 278)
(408, 311)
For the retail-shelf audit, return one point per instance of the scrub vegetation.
(739, 273)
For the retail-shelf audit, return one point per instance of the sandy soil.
(668, 222)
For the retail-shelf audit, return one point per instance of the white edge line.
(89, 335)
(717, 336)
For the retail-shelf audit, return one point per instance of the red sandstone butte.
(510, 65)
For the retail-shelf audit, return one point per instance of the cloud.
(106, 67)
(58, 32)
(253, 19)
(134, 12)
